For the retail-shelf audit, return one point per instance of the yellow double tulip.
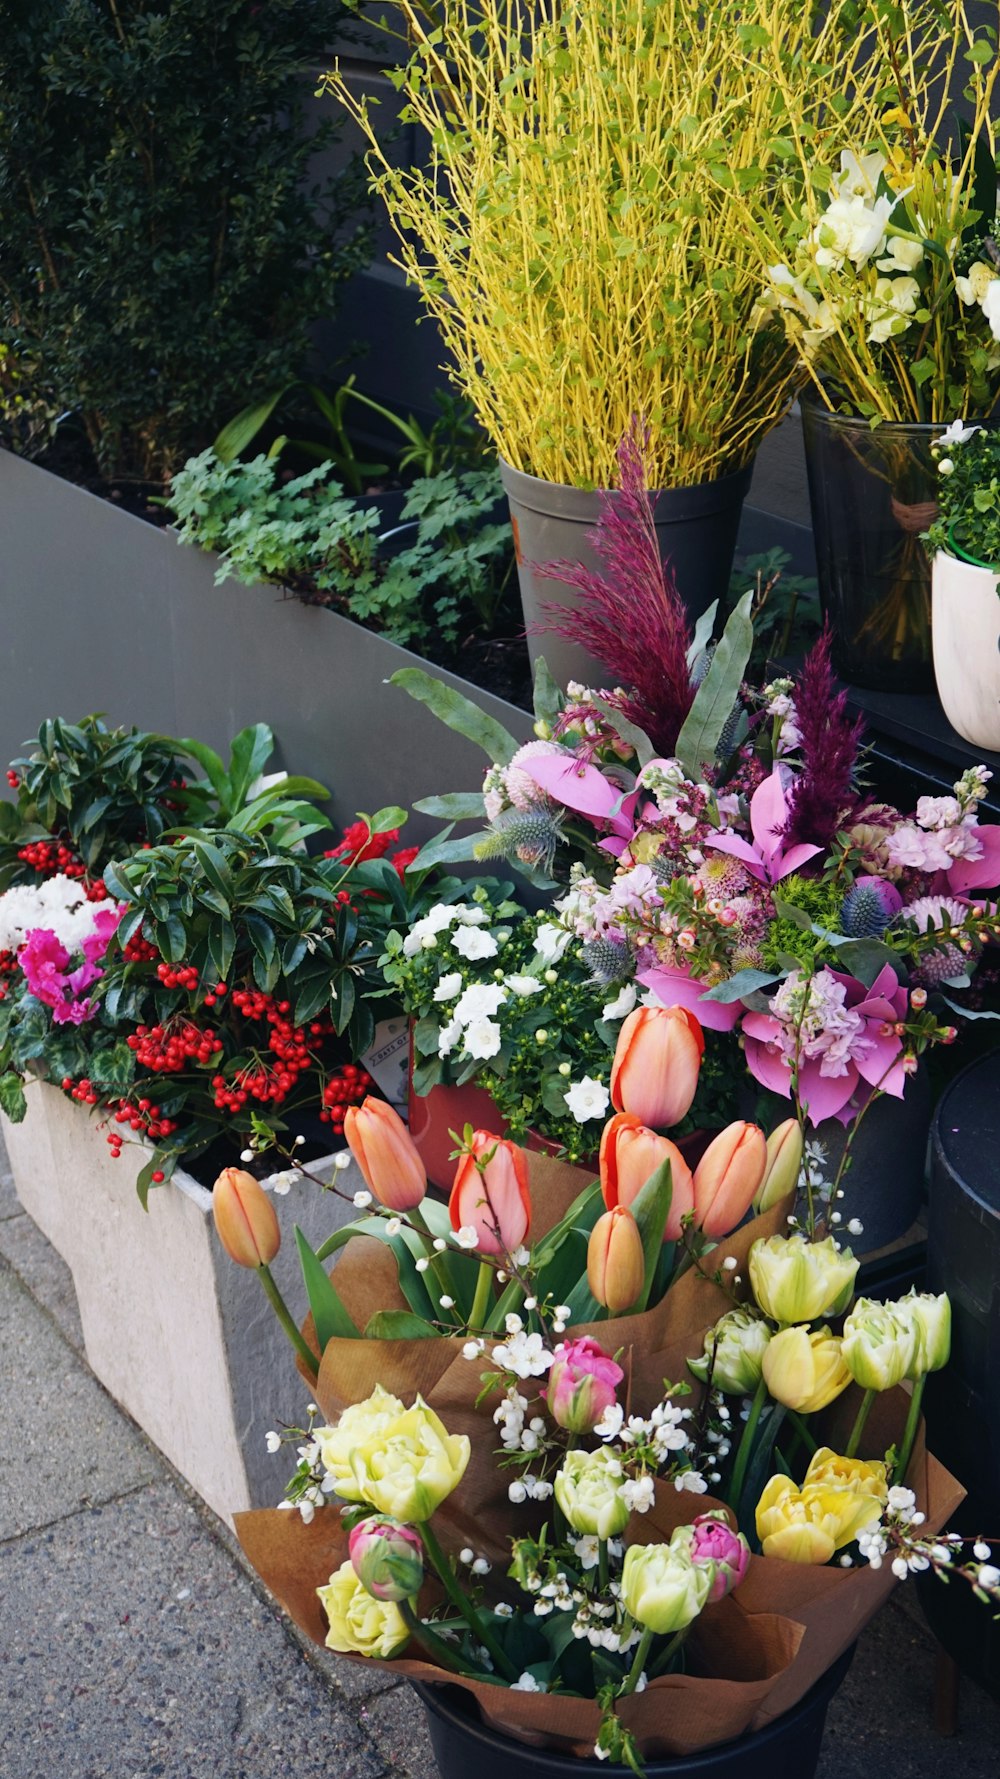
(805, 1370)
(408, 1466)
(358, 1623)
(839, 1497)
(795, 1280)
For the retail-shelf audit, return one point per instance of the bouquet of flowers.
(716, 851)
(708, 1466)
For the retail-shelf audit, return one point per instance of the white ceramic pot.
(966, 630)
(184, 1339)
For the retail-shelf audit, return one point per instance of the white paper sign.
(388, 1060)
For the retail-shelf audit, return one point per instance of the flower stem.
(635, 1672)
(859, 1423)
(667, 1655)
(284, 1316)
(481, 1301)
(746, 1445)
(602, 1564)
(463, 1605)
(910, 1430)
(433, 1644)
(801, 1430)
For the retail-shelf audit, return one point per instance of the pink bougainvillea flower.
(845, 1034)
(767, 859)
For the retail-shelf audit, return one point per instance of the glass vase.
(873, 492)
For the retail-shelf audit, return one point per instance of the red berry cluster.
(141, 1116)
(82, 1090)
(12, 779)
(168, 1049)
(178, 976)
(8, 966)
(139, 950)
(347, 1087)
(48, 857)
(265, 1081)
(97, 890)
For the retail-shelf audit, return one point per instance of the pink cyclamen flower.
(845, 1035)
(96, 943)
(44, 959)
(727, 1551)
(582, 1385)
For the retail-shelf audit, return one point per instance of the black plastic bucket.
(696, 527)
(464, 1746)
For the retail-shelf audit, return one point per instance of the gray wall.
(103, 612)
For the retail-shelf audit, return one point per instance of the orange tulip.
(386, 1154)
(245, 1219)
(493, 1198)
(615, 1261)
(629, 1155)
(727, 1176)
(657, 1059)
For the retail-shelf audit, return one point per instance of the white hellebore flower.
(858, 178)
(891, 307)
(900, 255)
(587, 1099)
(470, 942)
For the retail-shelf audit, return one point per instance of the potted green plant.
(964, 543)
(577, 237)
(881, 266)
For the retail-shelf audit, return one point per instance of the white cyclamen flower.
(587, 1099)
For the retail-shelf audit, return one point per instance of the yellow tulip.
(865, 1476)
(408, 1467)
(784, 1164)
(588, 1489)
(805, 1370)
(879, 1346)
(360, 1624)
(662, 1588)
(808, 1525)
(358, 1423)
(795, 1280)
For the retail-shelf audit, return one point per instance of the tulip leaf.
(582, 1214)
(331, 1319)
(651, 1209)
(399, 1325)
(410, 1281)
(760, 1466)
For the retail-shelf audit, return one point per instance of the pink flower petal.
(768, 1067)
(984, 873)
(581, 788)
(738, 849)
(677, 989)
(825, 1096)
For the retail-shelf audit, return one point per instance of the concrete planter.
(965, 622)
(144, 635)
(179, 1335)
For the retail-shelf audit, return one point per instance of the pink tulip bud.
(490, 1194)
(727, 1176)
(582, 1383)
(244, 1218)
(388, 1559)
(616, 1265)
(726, 1551)
(657, 1059)
(629, 1155)
(386, 1154)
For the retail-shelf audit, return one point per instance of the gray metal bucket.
(696, 527)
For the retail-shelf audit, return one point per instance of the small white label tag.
(388, 1060)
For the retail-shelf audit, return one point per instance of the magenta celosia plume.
(824, 789)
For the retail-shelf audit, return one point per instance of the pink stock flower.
(844, 1033)
(727, 1551)
(582, 1384)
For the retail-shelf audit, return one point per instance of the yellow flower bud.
(662, 1588)
(738, 1340)
(930, 1318)
(358, 1623)
(807, 1525)
(408, 1467)
(879, 1347)
(805, 1370)
(616, 1263)
(784, 1164)
(795, 1280)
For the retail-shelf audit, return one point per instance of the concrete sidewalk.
(135, 1644)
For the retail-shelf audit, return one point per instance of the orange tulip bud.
(386, 1154)
(493, 1198)
(629, 1155)
(245, 1219)
(615, 1261)
(657, 1059)
(727, 1176)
